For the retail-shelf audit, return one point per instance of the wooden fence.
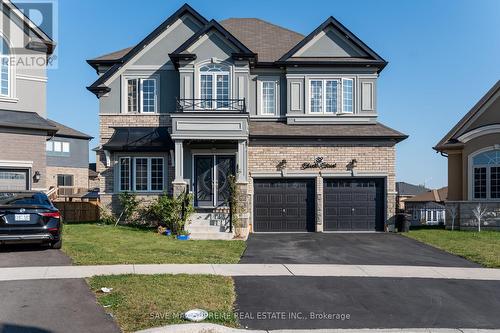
(78, 211)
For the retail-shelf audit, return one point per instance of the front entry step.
(209, 225)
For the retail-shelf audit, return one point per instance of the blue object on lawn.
(183, 237)
(168, 232)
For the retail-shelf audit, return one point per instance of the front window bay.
(141, 174)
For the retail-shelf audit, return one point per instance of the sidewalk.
(72, 272)
(213, 328)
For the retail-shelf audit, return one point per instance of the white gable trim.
(148, 47)
(475, 133)
(483, 108)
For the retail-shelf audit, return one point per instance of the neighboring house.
(68, 158)
(427, 208)
(23, 125)
(473, 150)
(293, 116)
(405, 191)
(93, 177)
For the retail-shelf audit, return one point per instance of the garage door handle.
(284, 210)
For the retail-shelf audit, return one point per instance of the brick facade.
(80, 176)
(372, 160)
(106, 174)
(26, 148)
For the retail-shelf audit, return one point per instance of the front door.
(211, 179)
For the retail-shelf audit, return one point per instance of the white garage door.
(13, 180)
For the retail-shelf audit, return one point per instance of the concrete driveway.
(346, 248)
(43, 306)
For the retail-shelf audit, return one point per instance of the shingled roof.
(270, 129)
(268, 40)
(68, 132)
(439, 195)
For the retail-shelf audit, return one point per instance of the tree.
(479, 212)
(453, 211)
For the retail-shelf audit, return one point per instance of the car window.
(12, 198)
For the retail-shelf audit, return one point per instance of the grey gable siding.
(332, 44)
(78, 156)
(155, 61)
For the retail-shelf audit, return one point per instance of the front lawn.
(93, 244)
(481, 247)
(143, 301)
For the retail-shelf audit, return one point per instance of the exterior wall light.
(37, 176)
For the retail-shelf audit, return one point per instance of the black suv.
(29, 217)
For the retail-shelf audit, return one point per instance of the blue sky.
(443, 56)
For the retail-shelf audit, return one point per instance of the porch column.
(179, 161)
(179, 184)
(242, 161)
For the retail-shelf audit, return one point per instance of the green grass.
(143, 301)
(92, 244)
(481, 247)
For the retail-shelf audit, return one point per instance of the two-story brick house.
(293, 116)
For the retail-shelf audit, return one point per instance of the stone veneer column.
(319, 204)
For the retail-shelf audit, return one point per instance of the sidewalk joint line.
(288, 269)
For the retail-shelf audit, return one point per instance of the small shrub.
(130, 205)
(106, 216)
(171, 212)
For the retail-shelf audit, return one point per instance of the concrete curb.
(326, 270)
(213, 328)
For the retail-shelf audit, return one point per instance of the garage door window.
(13, 180)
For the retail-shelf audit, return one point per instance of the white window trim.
(132, 176)
(141, 94)
(470, 174)
(140, 77)
(214, 86)
(340, 97)
(276, 97)
(198, 73)
(11, 96)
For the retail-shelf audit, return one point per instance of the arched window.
(4, 68)
(214, 86)
(486, 175)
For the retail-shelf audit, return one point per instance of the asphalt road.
(346, 248)
(31, 256)
(326, 302)
(43, 306)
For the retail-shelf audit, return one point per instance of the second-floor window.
(214, 86)
(142, 95)
(331, 96)
(57, 147)
(4, 69)
(269, 96)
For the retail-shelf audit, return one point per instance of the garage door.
(353, 204)
(13, 179)
(283, 205)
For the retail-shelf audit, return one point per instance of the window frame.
(340, 96)
(140, 78)
(132, 174)
(64, 179)
(472, 171)
(261, 97)
(214, 104)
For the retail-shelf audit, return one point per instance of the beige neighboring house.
(68, 159)
(427, 208)
(473, 151)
